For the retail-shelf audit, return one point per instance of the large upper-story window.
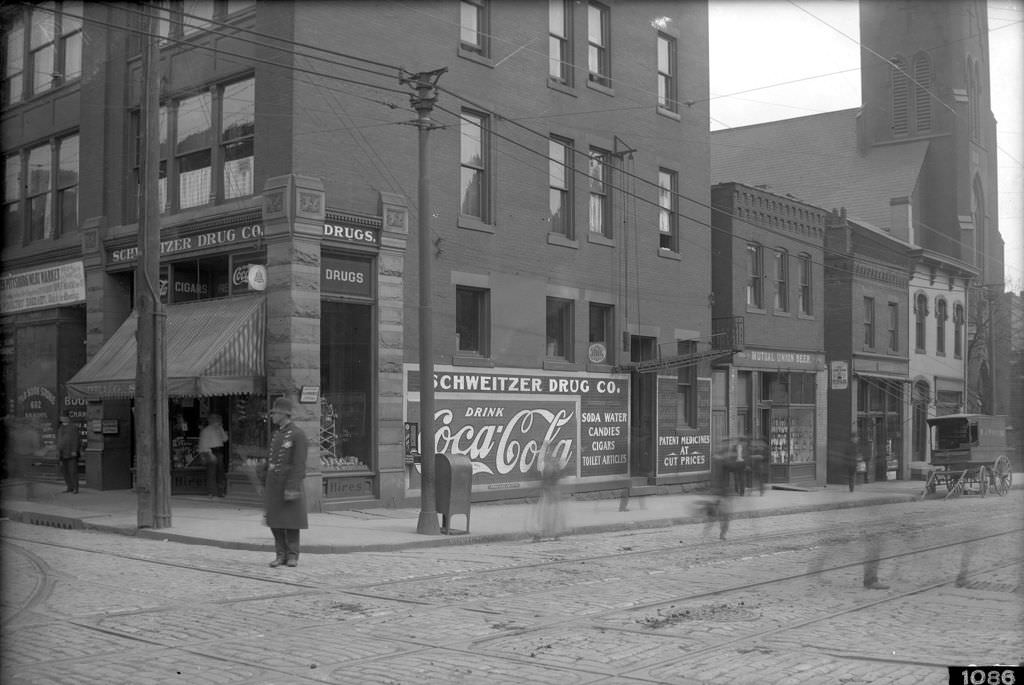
(41, 191)
(49, 55)
(941, 314)
(179, 19)
(600, 198)
(473, 28)
(559, 41)
(805, 294)
(869, 322)
(958, 330)
(755, 276)
(599, 44)
(781, 281)
(472, 321)
(206, 147)
(668, 214)
(894, 327)
(559, 336)
(560, 186)
(473, 180)
(920, 314)
(667, 73)
(602, 333)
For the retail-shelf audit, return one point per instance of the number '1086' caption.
(985, 675)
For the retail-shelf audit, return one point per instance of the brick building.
(569, 233)
(768, 270)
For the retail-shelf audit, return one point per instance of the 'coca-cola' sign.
(500, 418)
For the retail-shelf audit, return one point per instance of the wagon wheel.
(982, 481)
(956, 489)
(929, 485)
(1002, 475)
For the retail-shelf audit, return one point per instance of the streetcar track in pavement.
(39, 593)
(833, 534)
(160, 562)
(760, 584)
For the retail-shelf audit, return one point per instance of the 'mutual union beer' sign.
(500, 419)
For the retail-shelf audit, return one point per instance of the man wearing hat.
(67, 452)
(284, 500)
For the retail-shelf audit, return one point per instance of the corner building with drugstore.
(569, 223)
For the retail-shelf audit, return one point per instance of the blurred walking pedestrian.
(719, 508)
(872, 557)
(284, 500)
(211, 447)
(549, 514)
(68, 452)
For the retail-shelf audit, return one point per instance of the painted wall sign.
(332, 232)
(682, 449)
(186, 243)
(346, 275)
(52, 286)
(358, 235)
(500, 419)
(780, 359)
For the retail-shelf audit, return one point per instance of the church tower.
(925, 80)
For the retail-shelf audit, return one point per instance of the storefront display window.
(346, 364)
(791, 422)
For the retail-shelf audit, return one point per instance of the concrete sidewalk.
(200, 520)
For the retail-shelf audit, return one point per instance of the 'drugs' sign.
(500, 419)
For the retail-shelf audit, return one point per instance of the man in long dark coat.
(284, 500)
(67, 452)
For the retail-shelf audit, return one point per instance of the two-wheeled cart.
(968, 456)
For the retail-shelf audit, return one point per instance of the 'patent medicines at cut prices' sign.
(500, 419)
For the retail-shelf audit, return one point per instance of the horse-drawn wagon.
(968, 455)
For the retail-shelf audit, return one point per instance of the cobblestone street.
(780, 602)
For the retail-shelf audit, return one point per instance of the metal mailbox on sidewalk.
(453, 483)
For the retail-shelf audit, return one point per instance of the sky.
(760, 72)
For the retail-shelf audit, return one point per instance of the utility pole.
(423, 100)
(153, 475)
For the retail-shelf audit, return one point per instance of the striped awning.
(214, 347)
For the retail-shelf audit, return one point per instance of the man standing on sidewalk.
(67, 452)
(211, 446)
(284, 500)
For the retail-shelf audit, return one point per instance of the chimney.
(901, 219)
